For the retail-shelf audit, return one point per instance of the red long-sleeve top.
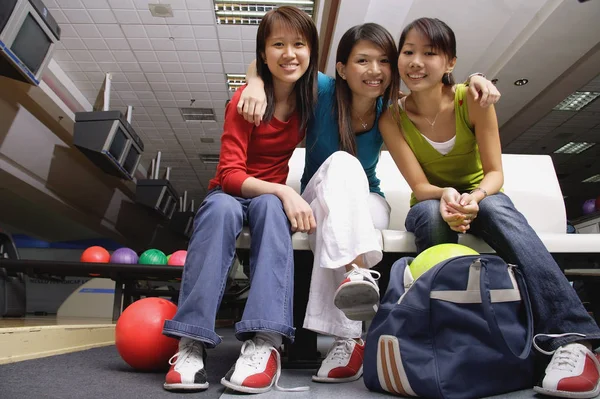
(247, 151)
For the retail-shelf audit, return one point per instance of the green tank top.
(461, 167)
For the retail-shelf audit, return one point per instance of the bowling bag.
(462, 330)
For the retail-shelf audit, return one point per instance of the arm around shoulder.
(485, 125)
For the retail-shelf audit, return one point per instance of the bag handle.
(490, 315)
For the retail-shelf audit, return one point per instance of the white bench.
(529, 180)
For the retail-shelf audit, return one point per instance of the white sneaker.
(343, 363)
(257, 369)
(358, 295)
(187, 371)
(573, 372)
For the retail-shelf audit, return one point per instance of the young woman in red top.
(249, 188)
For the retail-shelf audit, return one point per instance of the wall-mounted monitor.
(109, 141)
(28, 35)
(157, 194)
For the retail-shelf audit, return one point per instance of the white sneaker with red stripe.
(573, 372)
(257, 370)
(343, 363)
(358, 295)
(187, 371)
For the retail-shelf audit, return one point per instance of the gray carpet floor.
(101, 374)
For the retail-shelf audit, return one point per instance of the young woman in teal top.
(339, 182)
(448, 149)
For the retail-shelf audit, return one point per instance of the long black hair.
(381, 38)
(292, 18)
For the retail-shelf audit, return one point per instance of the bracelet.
(479, 189)
(471, 75)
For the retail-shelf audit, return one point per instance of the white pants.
(348, 218)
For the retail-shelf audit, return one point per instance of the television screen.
(131, 159)
(118, 144)
(31, 44)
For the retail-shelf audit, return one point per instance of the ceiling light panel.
(577, 100)
(250, 12)
(234, 81)
(197, 114)
(574, 148)
(593, 179)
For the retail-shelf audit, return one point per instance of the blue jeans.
(210, 255)
(556, 307)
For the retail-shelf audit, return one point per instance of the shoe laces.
(340, 350)
(254, 352)
(371, 275)
(190, 352)
(566, 357)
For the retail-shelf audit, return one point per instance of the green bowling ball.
(153, 257)
(436, 254)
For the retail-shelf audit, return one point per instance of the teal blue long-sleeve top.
(323, 138)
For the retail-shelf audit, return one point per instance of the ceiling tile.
(207, 45)
(142, 86)
(95, 44)
(230, 45)
(182, 32)
(171, 67)
(121, 4)
(191, 67)
(69, 3)
(199, 4)
(204, 32)
(140, 44)
(127, 17)
(135, 76)
(167, 56)
(229, 32)
(146, 56)
(62, 55)
(77, 16)
(117, 44)
(81, 55)
(157, 31)
(147, 18)
(102, 16)
(95, 4)
(202, 17)
(150, 67)
(162, 44)
(102, 56)
(68, 30)
(249, 46)
(213, 68)
(180, 17)
(111, 31)
(124, 56)
(214, 78)
(185, 44)
(73, 44)
(130, 66)
(189, 56)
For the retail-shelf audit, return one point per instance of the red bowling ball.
(177, 258)
(95, 255)
(138, 334)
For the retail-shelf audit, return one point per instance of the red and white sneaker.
(257, 370)
(187, 371)
(343, 363)
(573, 372)
(358, 295)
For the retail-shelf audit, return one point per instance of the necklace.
(363, 124)
(432, 124)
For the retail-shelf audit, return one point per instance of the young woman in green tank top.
(447, 147)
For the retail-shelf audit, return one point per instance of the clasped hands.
(458, 210)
